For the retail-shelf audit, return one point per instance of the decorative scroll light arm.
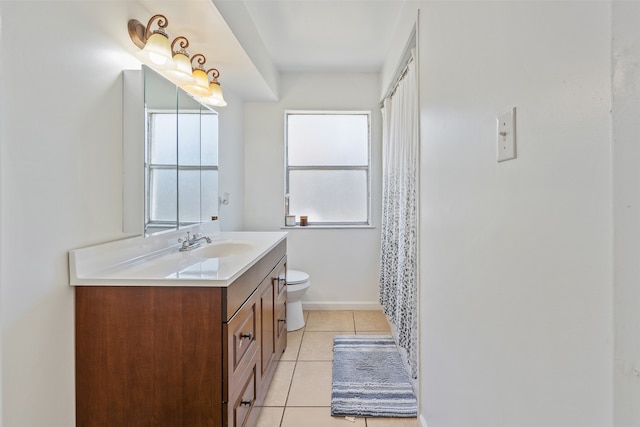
(184, 43)
(215, 74)
(201, 60)
(162, 23)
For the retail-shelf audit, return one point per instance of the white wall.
(60, 170)
(1, 204)
(342, 263)
(626, 161)
(61, 186)
(231, 168)
(516, 265)
(402, 40)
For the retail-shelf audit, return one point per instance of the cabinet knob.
(282, 320)
(248, 336)
(246, 403)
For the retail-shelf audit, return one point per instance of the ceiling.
(325, 35)
(252, 41)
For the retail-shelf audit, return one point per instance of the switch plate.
(506, 138)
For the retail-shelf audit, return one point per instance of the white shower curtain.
(398, 258)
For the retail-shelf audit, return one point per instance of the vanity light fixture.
(216, 97)
(174, 63)
(181, 72)
(155, 45)
(200, 86)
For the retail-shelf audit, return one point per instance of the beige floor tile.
(294, 339)
(311, 385)
(330, 320)
(318, 345)
(270, 417)
(279, 387)
(316, 417)
(392, 422)
(370, 321)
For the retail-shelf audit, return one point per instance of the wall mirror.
(170, 156)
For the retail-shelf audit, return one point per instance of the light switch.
(506, 137)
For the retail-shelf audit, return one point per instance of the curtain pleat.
(398, 257)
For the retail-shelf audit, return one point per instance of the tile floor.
(300, 392)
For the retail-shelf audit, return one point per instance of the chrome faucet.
(189, 242)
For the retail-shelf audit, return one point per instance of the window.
(327, 166)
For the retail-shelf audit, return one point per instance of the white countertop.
(157, 261)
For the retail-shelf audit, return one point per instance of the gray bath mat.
(369, 379)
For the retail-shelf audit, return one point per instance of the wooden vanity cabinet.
(180, 356)
(255, 343)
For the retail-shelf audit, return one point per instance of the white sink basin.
(222, 249)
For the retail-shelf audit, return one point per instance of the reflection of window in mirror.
(188, 166)
(181, 179)
(208, 165)
(161, 176)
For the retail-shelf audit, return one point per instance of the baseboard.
(346, 305)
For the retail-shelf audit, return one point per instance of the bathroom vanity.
(176, 338)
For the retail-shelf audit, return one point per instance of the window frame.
(287, 168)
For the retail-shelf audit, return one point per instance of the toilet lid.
(295, 277)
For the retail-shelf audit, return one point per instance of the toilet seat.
(295, 277)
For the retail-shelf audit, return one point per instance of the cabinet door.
(273, 326)
(273, 309)
(281, 310)
(148, 353)
(267, 323)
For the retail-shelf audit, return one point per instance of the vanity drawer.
(242, 341)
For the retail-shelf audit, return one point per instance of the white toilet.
(297, 284)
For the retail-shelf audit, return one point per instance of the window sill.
(325, 227)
